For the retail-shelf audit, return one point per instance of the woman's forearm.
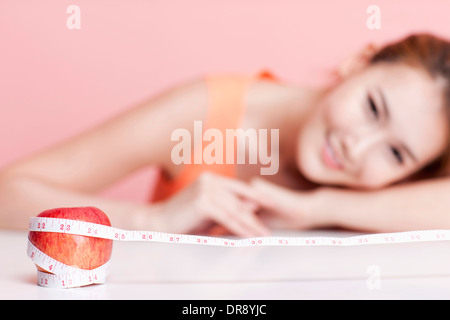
(25, 197)
(413, 206)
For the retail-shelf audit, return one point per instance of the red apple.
(74, 250)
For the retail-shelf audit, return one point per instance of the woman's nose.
(357, 143)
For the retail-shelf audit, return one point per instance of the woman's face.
(376, 127)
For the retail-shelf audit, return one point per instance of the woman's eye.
(397, 154)
(373, 107)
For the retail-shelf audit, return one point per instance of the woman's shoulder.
(271, 95)
(267, 89)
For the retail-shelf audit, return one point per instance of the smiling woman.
(431, 55)
(378, 126)
(349, 154)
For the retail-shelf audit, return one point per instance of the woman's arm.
(22, 197)
(71, 172)
(413, 206)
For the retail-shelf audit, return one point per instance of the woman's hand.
(215, 199)
(292, 209)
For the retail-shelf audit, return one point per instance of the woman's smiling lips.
(329, 156)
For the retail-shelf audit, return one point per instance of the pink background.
(56, 82)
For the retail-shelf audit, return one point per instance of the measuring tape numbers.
(59, 275)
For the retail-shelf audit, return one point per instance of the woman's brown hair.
(433, 55)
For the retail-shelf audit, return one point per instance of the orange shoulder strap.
(226, 109)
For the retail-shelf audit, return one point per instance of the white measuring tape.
(63, 276)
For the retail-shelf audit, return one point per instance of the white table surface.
(173, 271)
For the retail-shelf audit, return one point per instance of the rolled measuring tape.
(56, 274)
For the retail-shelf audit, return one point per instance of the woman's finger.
(246, 191)
(222, 216)
(265, 187)
(279, 196)
(239, 211)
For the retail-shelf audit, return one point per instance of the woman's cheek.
(374, 173)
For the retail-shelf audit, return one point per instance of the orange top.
(226, 109)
